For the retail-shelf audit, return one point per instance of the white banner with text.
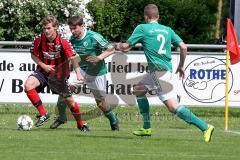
(203, 85)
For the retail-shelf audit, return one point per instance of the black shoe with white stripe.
(41, 119)
(84, 128)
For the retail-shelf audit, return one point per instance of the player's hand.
(181, 72)
(124, 47)
(74, 87)
(93, 59)
(80, 79)
(49, 68)
(117, 46)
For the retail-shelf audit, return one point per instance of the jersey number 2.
(161, 39)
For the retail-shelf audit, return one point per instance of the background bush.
(20, 18)
(193, 20)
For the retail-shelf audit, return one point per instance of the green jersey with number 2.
(157, 40)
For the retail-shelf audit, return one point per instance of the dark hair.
(75, 20)
(151, 11)
(49, 19)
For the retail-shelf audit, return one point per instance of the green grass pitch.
(172, 139)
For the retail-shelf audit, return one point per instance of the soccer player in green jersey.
(156, 40)
(92, 49)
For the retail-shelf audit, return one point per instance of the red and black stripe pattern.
(56, 52)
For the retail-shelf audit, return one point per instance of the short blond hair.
(49, 19)
(151, 11)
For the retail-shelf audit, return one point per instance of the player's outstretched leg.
(189, 117)
(143, 105)
(36, 101)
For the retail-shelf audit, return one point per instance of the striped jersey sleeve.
(102, 42)
(35, 45)
(68, 48)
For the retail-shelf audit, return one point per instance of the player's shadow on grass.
(114, 136)
(8, 128)
(165, 139)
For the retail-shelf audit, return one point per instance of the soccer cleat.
(84, 128)
(41, 119)
(115, 126)
(208, 133)
(56, 124)
(143, 132)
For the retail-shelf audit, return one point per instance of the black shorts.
(57, 86)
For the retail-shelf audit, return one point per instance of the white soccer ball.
(24, 122)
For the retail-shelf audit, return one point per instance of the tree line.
(193, 20)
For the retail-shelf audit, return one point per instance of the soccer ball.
(24, 122)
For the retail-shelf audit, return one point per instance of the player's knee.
(171, 104)
(139, 90)
(30, 83)
(102, 104)
(69, 101)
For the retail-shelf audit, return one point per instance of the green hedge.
(20, 18)
(193, 20)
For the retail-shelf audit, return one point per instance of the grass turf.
(172, 139)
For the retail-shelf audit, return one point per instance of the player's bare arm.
(47, 68)
(124, 47)
(183, 53)
(110, 50)
(75, 60)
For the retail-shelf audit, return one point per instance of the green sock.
(61, 105)
(143, 105)
(111, 116)
(185, 114)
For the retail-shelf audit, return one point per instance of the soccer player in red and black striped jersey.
(52, 53)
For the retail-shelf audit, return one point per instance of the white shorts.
(97, 84)
(161, 83)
